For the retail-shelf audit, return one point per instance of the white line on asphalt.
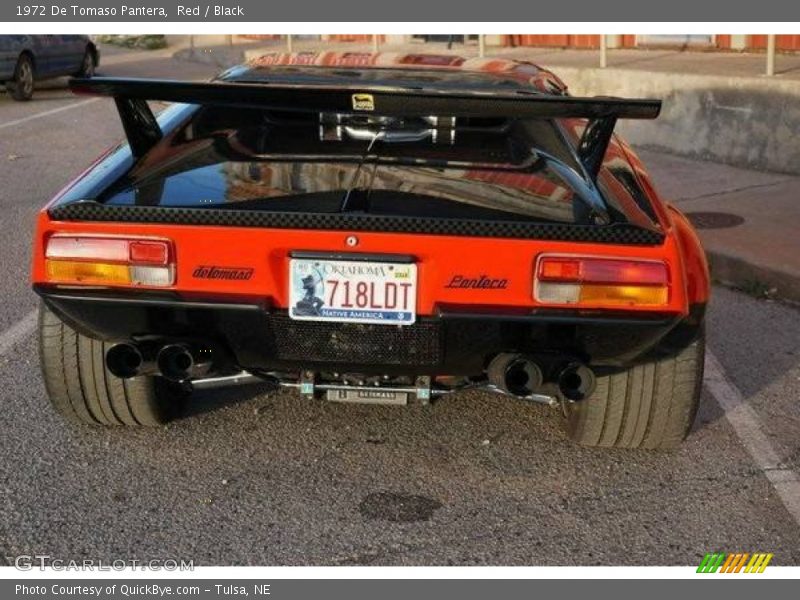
(741, 109)
(747, 426)
(47, 113)
(18, 332)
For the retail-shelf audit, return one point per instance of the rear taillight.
(597, 282)
(106, 261)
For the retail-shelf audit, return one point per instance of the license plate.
(352, 291)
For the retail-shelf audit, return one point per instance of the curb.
(757, 280)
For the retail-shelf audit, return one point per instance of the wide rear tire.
(650, 406)
(83, 391)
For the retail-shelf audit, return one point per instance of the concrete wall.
(749, 122)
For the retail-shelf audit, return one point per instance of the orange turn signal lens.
(625, 295)
(87, 273)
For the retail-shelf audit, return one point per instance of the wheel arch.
(698, 287)
(695, 263)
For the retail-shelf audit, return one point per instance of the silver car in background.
(25, 59)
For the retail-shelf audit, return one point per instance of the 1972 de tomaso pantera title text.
(76, 10)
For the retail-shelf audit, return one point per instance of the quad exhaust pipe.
(126, 361)
(176, 362)
(515, 374)
(520, 375)
(180, 362)
(576, 382)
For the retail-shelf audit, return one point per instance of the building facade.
(741, 43)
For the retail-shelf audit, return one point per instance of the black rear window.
(430, 166)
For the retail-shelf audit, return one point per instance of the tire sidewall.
(618, 406)
(81, 389)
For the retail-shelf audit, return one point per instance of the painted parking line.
(747, 425)
(47, 113)
(18, 332)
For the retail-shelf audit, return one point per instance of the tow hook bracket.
(307, 383)
(423, 387)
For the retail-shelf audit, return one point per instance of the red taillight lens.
(90, 260)
(601, 270)
(555, 269)
(601, 282)
(149, 252)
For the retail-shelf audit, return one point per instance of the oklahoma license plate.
(352, 291)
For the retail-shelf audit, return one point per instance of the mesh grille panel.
(618, 233)
(420, 343)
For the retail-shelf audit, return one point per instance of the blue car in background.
(25, 59)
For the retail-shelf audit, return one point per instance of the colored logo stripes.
(734, 563)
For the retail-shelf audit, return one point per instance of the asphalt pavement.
(253, 476)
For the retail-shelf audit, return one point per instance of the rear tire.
(21, 87)
(83, 391)
(650, 406)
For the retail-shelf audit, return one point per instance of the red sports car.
(373, 228)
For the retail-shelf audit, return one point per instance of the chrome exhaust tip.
(124, 361)
(179, 362)
(576, 382)
(515, 374)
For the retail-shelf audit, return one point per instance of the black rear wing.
(143, 131)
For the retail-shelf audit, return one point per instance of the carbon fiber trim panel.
(612, 234)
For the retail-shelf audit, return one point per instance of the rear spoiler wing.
(143, 131)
